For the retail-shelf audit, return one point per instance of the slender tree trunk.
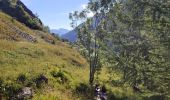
(91, 72)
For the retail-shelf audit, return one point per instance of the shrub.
(56, 36)
(46, 29)
(31, 84)
(11, 90)
(39, 53)
(40, 80)
(155, 97)
(62, 77)
(114, 96)
(75, 63)
(1, 87)
(82, 88)
(117, 83)
(63, 65)
(22, 78)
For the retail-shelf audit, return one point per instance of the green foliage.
(133, 37)
(82, 88)
(61, 76)
(56, 36)
(22, 78)
(1, 87)
(40, 81)
(140, 55)
(90, 38)
(46, 29)
(11, 90)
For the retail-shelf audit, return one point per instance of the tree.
(139, 42)
(89, 36)
(46, 29)
(133, 37)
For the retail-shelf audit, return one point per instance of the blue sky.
(54, 13)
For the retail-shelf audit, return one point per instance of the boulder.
(25, 92)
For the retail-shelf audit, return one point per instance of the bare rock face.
(26, 92)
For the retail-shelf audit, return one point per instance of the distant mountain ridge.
(60, 31)
(71, 36)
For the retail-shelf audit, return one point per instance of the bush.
(82, 88)
(113, 96)
(40, 80)
(22, 78)
(56, 36)
(1, 82)
(46, 29)
(155, 97)
(39, 53)
(62, 77)
(117, 83)
(1, 87)
(12, 90)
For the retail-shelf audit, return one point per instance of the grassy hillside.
(32, 60)
(22, 58)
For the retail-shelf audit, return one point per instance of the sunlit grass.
(42, 58)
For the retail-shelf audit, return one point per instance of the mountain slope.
(11, 29)
(46, 56)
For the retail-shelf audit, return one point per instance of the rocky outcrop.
(19, 11)
(24, 35)
(25, 92)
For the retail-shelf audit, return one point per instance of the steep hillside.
(19, 11)
(26, 55)
(11, 29)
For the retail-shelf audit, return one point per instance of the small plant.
(117, 83)
(13, 19)
(11, 90)
(75, 63)
(62, 77)
(82, 88)
(63, 65)
(1, 87)
(39, 53)
(156, 97)
(41, 80)
(22, 78)
(42, 37)
(52, 42)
